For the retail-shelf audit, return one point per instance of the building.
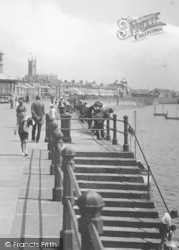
(32, 75)
(31, 67)
(1, 62)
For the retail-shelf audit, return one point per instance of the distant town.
(47, 85)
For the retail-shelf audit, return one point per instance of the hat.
(98, 104)
(111, 110)
(37, 97)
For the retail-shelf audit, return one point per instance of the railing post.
(47, 117)
(114, 141)
(58, 185)
(126, 144)
(108, 136)
(90, 204)
(54, 126)
(66, 127)
(50, 138)
(67, 233)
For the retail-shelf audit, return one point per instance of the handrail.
(60, 173)
(75, 223)
(126, 148)
(75, 183)
(149, 169)
(95, 237)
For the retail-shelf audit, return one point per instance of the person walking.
(23, 126)
(20, 108)
(38, 112)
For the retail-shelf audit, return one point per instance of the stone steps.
(106, 154)
(127, 212)
(113, 193)
(107, 169)
(105, 161)
(112, 185)
(121, 202)
(110, 177)
(130, 242)
(130, 232)
(130, 220)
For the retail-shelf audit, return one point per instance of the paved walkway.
(27, 209)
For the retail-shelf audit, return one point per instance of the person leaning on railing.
(99, 124)
(83, 111)
(90, 115)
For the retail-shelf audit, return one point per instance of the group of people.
(14, 100)
(24, 122)
(62, 104)
(96, 115)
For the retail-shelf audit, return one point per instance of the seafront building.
(47, 85)
(7, 83)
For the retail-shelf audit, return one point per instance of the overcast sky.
(76, 39)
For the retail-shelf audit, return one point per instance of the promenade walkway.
(27, 209)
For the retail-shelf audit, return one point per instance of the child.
(166, 227)
(52, 111)
(23, 125)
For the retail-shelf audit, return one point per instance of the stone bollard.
(47, 116)
(54, 126)
(90, 204)
(126, 144)
(66, 127)
(108, 136)
(67, 233)
(114, 141)
(58, 185)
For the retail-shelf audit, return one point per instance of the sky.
(77, 40)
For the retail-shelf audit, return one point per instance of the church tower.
(1, 62)
(31, 67)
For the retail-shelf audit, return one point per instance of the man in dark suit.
(38, 112)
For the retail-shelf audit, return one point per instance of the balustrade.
(58, 183)
(90, 203)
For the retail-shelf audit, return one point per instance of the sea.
(159, 139)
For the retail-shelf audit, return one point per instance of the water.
(159, 139)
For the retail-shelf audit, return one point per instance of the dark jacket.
(38, 112)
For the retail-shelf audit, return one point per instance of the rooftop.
(6, 77)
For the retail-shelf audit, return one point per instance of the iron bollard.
(58, 184)
(114, 141)
(67, 233)
(126, 145)
(47, 116)
(90, 204)
(66, 127)
(50, 138)
(54, 126)
(108, 136)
